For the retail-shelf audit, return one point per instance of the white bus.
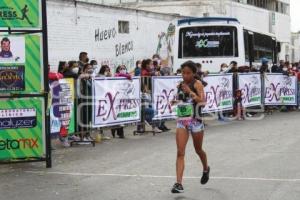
(215, 40)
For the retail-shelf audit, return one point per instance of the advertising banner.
(251, 87)
(219, 93)
(62, 113)
(12, 78)
(22, 128)
(280, 89)
(21, 70)
(116, 101)
(20, 14)
(164, 91)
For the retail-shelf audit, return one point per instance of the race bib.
(185, 110)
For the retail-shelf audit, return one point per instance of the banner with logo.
(250, 85)
(21, 70)
(12, 78)
(280, 89)
(20, 14)
(164, 90)
(219, 93)
(62, 112)
(116, 101)
(22, 128)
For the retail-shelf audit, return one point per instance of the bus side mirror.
(278, 47)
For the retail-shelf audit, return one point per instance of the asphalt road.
(250, 160)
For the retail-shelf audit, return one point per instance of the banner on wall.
(21, 68)
(116, 101)
(218, 93)
(250, 85)
(22, 130)
(164, 90)
(280, 89)
(62, 112)
(20, 14)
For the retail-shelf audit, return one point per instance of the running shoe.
(157, 130)
(177, 188)
(205, 176)
(66, 144)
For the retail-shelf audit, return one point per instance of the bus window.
(246, 42)
(208, 41)
(263, 47)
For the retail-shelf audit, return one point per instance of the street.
(250, 160)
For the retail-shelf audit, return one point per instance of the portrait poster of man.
(12, 50)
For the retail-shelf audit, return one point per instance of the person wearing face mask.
(285, 69)
(122, 72)
(96, 67)
(223, 68)
(72, 71)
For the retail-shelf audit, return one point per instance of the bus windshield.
(208, 41)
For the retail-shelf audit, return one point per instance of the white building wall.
(295, 47)
(72, 30)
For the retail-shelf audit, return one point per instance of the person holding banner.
(190, 99)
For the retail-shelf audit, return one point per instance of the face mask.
(139, 65)
(285, 69)
(75, 70)
(123, 71)
(106, 73)
(95, 66)
(294, 68)
(90, 71)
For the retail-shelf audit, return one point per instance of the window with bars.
(124, 27)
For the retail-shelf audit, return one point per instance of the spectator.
(254, 68)
(146, 67)
(62, 67)
(138, 66)
(72, 71)
(264, 67)
(105, 71)
(275, 69)
(223, 68)
(178, 72)
(155, 69)
(281, 65)
(285, 69)
(87, 72)
(200, 73)
(96, 67)
(83, 60)
(149, 111)
(52, 76)
(121, 71)
(165, 69)
(156, 57)
(233, 67)
(86, 91)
